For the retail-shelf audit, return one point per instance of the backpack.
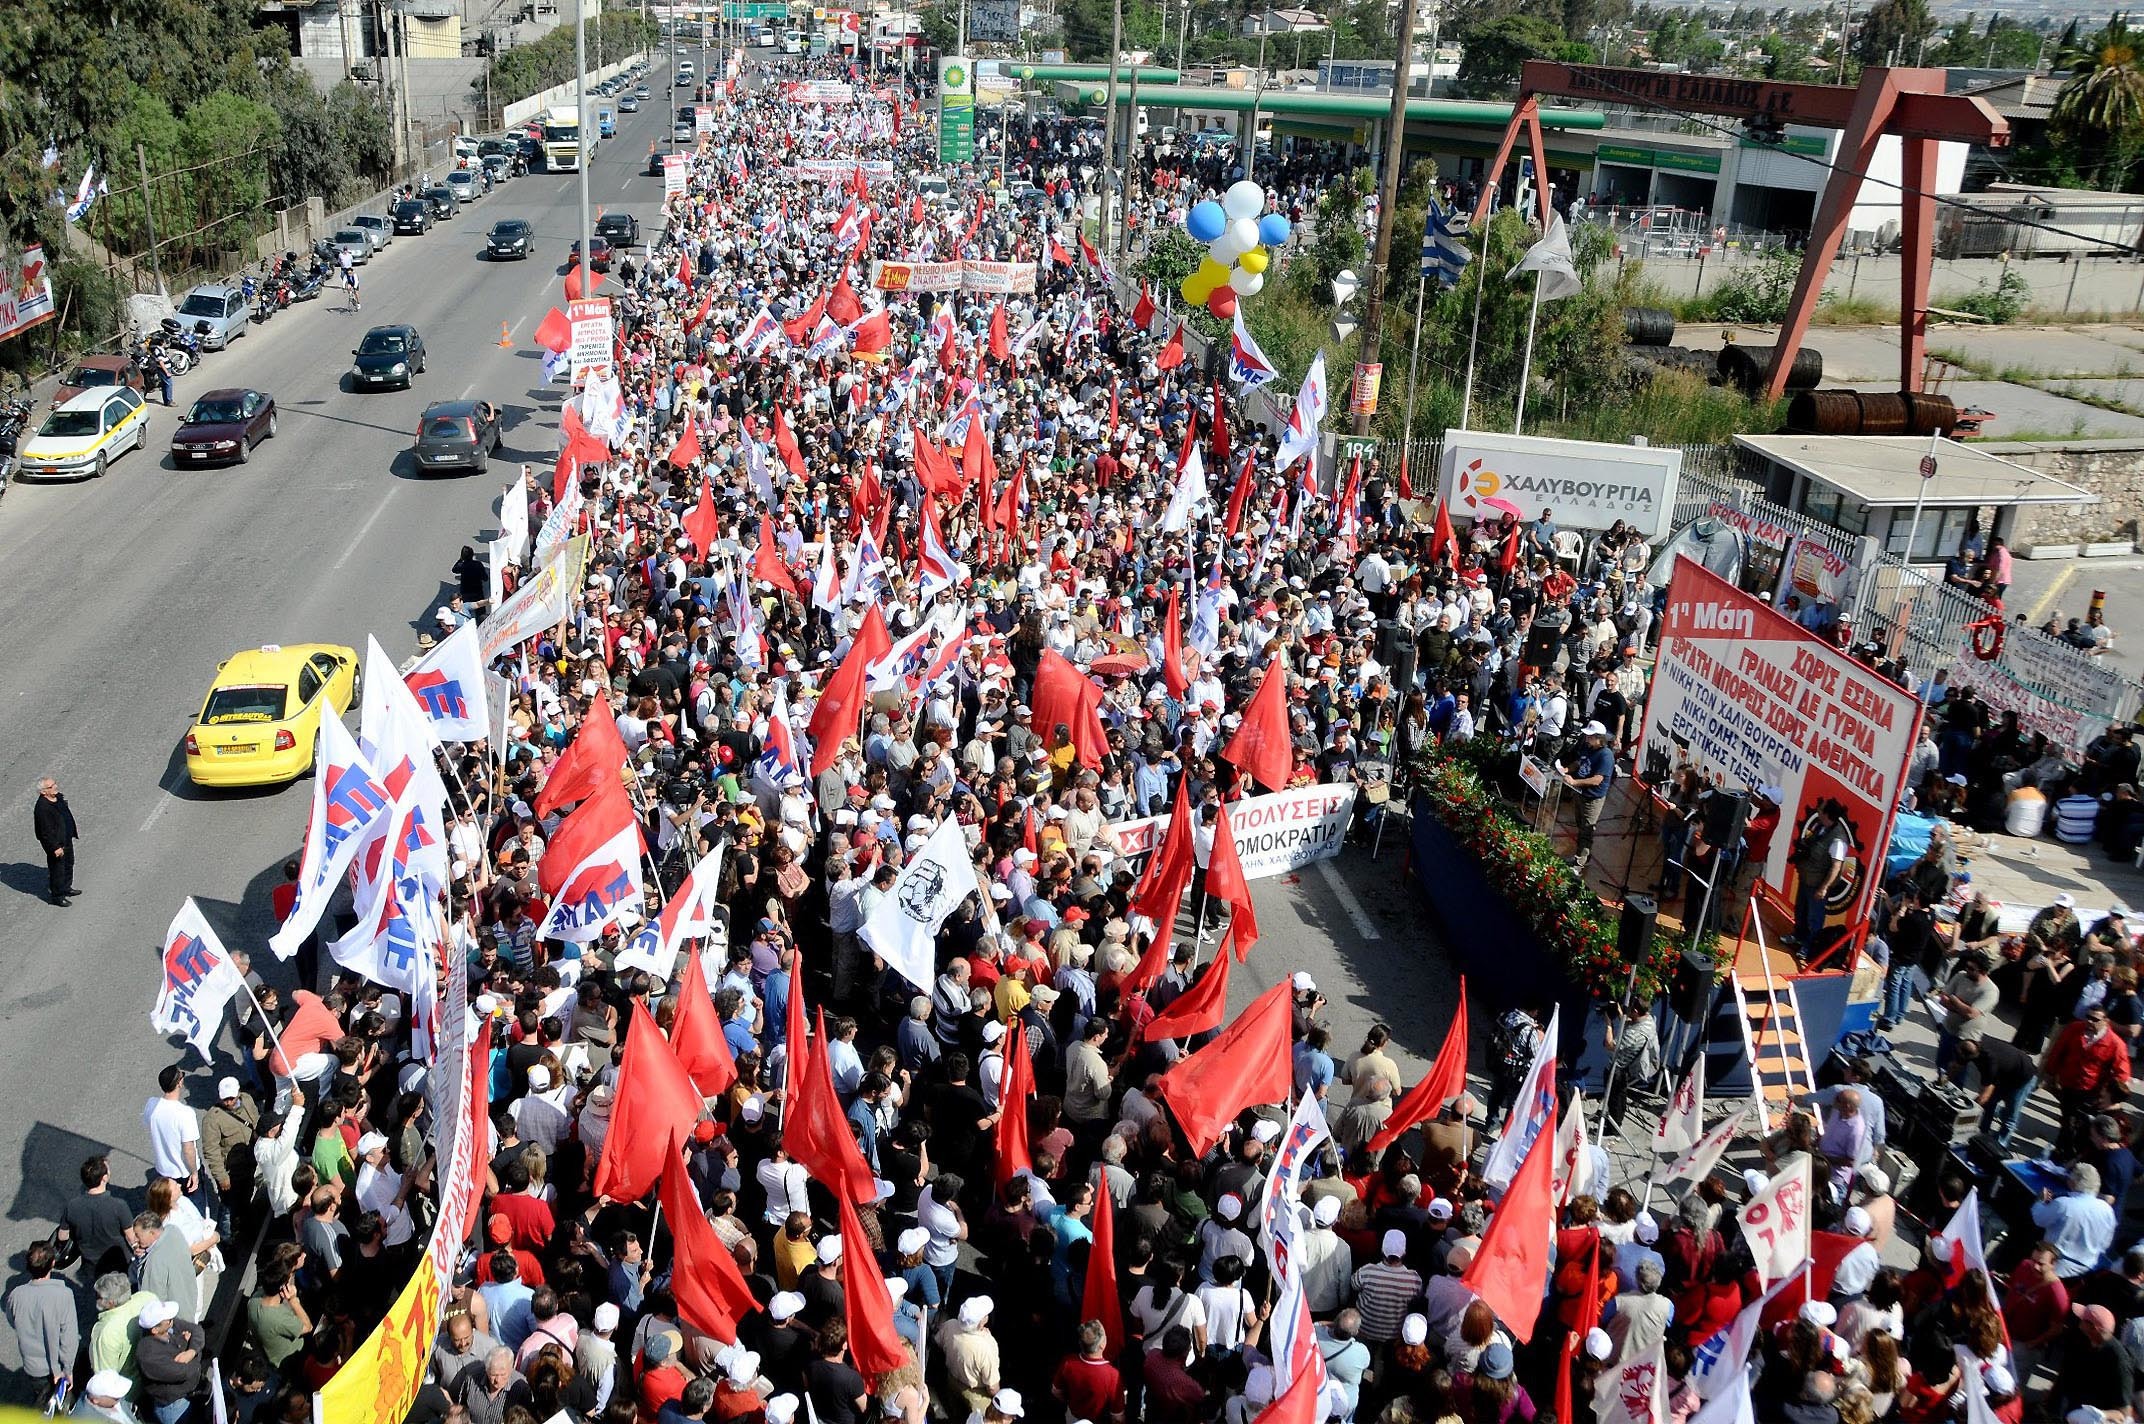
(1512, 1049)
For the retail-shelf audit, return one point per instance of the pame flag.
(199, 981)
(1531, 1113)
(779, 765)
(348, 801)
(1246, 362)
(598, 851)
(449, 685)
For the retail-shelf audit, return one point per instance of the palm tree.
(2100, 109)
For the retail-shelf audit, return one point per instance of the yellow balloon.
(1212, 273)
(1192, 292)
(1253, 261)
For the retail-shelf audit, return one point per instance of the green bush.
(2001, 302)
(1757, 292)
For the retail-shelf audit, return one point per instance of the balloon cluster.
(1237, 239)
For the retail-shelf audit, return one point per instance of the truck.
(606, 120)
(561, 139)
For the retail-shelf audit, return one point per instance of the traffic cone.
(504, 339)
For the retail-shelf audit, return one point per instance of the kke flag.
(449, 685)
(591, 869)
(348, 801)
(1261, 746)
(696, 1033)
(1299, 437)
(1775, 1222)
(199, 982)
(710, 1291)
(1684, 1121)
(1247, 1065)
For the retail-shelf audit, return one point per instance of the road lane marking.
(169, 786)
(1357, 916)
(2054, 590)
(364, 529)
(467, 389)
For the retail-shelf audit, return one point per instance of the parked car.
(510, 238)
(354, 241)
(620, 229)
(444, 204)
(224, 425)
(388, 356)
(216, 314)
(81, 437)
(377, 226)
(413, 215)
(96, 372)
(456, 435)
(465, 185)
(499, 165)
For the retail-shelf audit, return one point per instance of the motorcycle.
(306, 285)
(262, 309)
(14, 418)
(184, 340)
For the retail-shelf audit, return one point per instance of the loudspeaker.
(1540, 649)
(1634, 932)
(1402, 665)
(1691, 989)
(1726, 813)
(1389, 637)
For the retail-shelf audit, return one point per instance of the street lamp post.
(580, 104)
(1388, 195)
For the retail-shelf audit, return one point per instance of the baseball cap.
(830, 1247)
(975, 1310)
(1008, 1403)
(370, 1143)
(226, 1088)
(785, 1304)
(1303, 982)
(1394, 1245)
(155, 1313)
(606, 1316)
(912, 1240)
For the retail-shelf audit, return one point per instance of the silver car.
(355, 241)
(378, 226)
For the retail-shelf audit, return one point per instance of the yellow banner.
(379, 1383)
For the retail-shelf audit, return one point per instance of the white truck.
(562, 139)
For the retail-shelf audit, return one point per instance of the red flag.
(795, 1038)
(1008, 512)
(1261, 747)
(1225, 878)
(1240, 495)
(979, 466)
(710, 1291)
(859, 185)
(563, 474)
(1100, 1302)
(554, 331)
(948, 355)
(1302, 1402)
(684, 268)
(591, 761)
(935, 469)
(841, 303)
(576, 287)
(841, 704)
(1172, 647)
(1112, 410)
(1220, 427)
(1191, 439)
(767, 561)
(1441, 539)
(1201, 1007)
(707, 304)
(1088, 254)
(1000, 349)
(1446, 1080)
(655, 1107)
(1507, 557)
(1143, 309)
(1563, 1370)
(696, 1033)
(800, 327)
(915, 209)
(1172, 355)
(1174, 860)
(584, 445)
(814, 1129)
(1064, 696)
(604, 817)
(1248, 1064)
(1058, 254)
(1009, 1142)
(873, 333)
(982, 208)
(686, 453)
(1406, 485)
(478, 1099)
(867, 1306)
(702, 525)
(1508, 1270)
(785, 445)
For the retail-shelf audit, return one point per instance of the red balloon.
(1223, 302)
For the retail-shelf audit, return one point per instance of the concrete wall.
(522, 111)
(2111, 469)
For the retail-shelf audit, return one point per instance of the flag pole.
(1481, 279)
(1414, 354)
(1526, 362)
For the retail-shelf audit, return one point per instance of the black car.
(412, 215)
(511, 238)
(444, 204)
(456, 435)
(620, 229)
(388, 356)
(655, 163)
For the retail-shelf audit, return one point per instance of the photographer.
(1589, 774)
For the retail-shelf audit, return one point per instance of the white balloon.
(1244, 232)
(1226, 248)
(1244, 200)
(1247, 284)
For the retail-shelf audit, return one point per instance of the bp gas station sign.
(956, 109)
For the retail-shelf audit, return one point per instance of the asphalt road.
(127, 592)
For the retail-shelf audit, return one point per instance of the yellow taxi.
(86, 433)
(260, 723)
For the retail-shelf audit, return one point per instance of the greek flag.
(1444, 246)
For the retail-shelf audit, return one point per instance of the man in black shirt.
(2006, 1075)
(837, 1391)
(94, 1224)
(2095, 1369)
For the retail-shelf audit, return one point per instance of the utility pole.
(587, 128)
(1388, 195)
(1258, 94)
(1131, 164)
(148, 212)
(1109, 118)
(1183, 28)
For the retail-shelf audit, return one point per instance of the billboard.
(1751, 699)
(1582, 484)
(25, 292)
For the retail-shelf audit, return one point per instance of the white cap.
(1265, 1129)
(1593, 729)
(226, 1088)
(743, 1368)
(539, 1077)
(1876, 1179)
(606, 1316)
(1229, 1207)
(1598, 1345)
(993, 1031)
(1008, 1403)
(1440, 1209)
(914, 1239)
(109, 1384)
(1755, 1180)
(1303, 982)
(370, 1143)
(782, 1408)
(829, 1247)
(1856, 1221)
(895, 1287)
(1998, 1380)
(1414, 1330)
(2066, 900)
(785, 1304)
(754, 1109)
(975, 1310)
(1395, 1243)
(2085, 1414)
(155, 1313)
(1327, 1211)
(1820, 1313)
(1648, 1227)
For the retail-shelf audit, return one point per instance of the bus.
(561, 138)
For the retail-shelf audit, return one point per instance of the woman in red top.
(1582, 1276)
(1710, 1305)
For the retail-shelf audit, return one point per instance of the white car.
(83, 436)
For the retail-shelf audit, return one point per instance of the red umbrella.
(1118, 665)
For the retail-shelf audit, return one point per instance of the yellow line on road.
(2054, 590)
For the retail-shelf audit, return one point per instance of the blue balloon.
(1206, 221)
(1273, 229)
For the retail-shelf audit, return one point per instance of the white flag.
(1963, 1235)
(1721, 1360)
(1775, 1222)
(1291, 1157)
(1696, 1164)
(904, 928)
(449, 686)
(687, 915)
(1551, 258)
(1633, 1391)
(1537, 1101)
(826, 588)
(1190, 493)
(199, 980)
(514, 519)
(1573, 1160)
(1684, 1121)
(1300, 436)
(348, 802)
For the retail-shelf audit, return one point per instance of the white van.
(793, 42)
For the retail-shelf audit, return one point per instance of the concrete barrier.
(522, 110)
